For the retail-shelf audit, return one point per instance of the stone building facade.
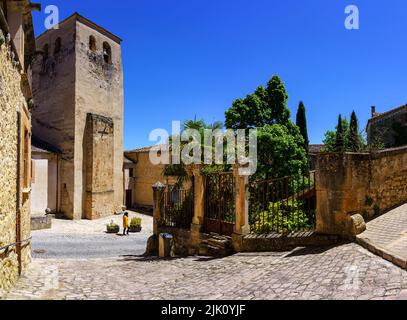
(78, 93)
(388, 128)
(17, 46)
(144, 175)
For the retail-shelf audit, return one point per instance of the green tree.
(301, 122)
(354, 144)
(250, 112)
(264, 106)
(280, 152)
(330, 140)
(340, 136)
(180, 170)
(278, 101)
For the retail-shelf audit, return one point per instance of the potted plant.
(135, 225)
(112, 227)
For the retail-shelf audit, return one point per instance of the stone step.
(218, 243)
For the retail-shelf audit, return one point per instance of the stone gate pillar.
(158, 195)
(199, 193)
(242, 226)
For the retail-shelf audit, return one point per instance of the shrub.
(135, 222)
(282, 217)
(112, 227)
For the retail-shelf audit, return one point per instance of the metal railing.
(220, 200)
(178, 208)
(282, 205)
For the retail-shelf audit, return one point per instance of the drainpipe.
(18, 195)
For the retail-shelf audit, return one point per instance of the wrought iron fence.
(178, 208)
(220, 203)
(283, 205)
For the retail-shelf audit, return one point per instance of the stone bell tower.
(78, 91)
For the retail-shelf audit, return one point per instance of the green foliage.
(355, 142)
(182, 212)
(280, 152)
(214, 169)
(278, 100)
(135, 222)
(301, 122)
(282, 217)
(266, 106)
(339, 136)
(335, 139)
(179, 170)
(112, 227)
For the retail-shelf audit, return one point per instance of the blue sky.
(187, 58)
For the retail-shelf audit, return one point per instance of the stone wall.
(367, 184)
(98, 155)
(11, 101)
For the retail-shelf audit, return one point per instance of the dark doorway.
(129, 199)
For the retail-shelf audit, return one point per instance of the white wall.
(39, 186)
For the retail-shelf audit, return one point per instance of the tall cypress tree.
(354, 140)
(339, 140)
(301, 122)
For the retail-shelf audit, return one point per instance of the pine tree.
(354, 140)
(301, 122)
(339, 139)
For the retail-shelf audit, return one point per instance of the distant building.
(388, 128)
(78, 94)
(129, 167)
(144, 175)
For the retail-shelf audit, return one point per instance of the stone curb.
(382, 252)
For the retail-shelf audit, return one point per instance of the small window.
(45, 51)
(107, 53)
(92, 43)
(131, 172)
(58, 45)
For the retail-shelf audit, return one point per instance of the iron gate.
(283, 205)
(220, 203)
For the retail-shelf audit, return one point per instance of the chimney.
(373, 111)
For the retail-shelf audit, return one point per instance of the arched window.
(45, 51)
(58, 45)
(92, 43)
(107, 52)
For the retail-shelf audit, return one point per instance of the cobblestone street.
(343, 272)
(387, 236)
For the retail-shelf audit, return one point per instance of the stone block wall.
(98, 152)
(358, 183)
(11, 100)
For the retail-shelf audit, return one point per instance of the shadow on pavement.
(312, 250)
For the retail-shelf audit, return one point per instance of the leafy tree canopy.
(265, 106)
(280, 152)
